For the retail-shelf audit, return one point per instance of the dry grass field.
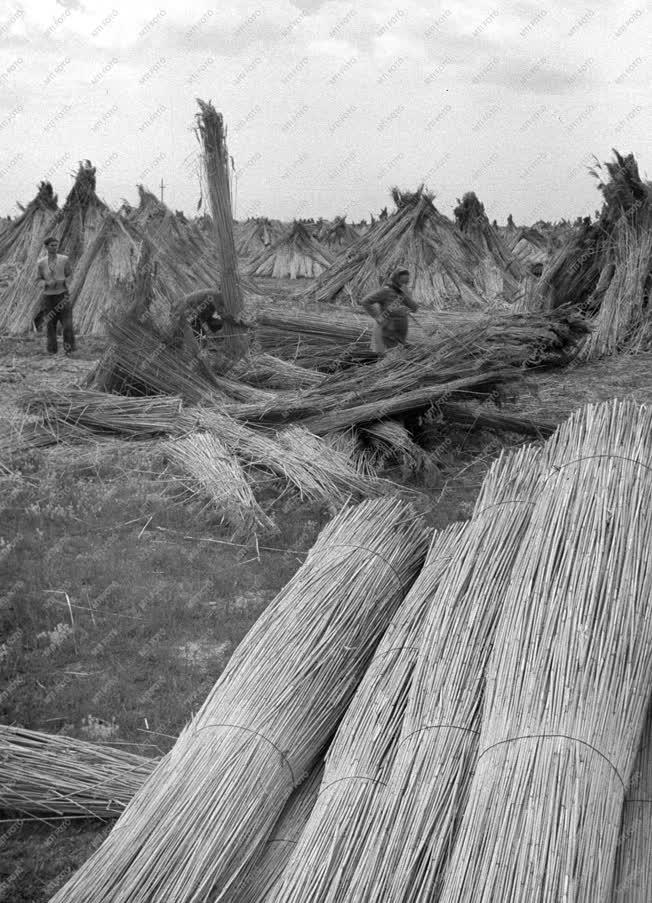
(120, 605)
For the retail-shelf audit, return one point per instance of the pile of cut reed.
(271, 372)
(568, 682)
(51, 776)
(85, 413)
(391, 443)
(199, 823)
(316, 468)
(142, 359)
(213, 477)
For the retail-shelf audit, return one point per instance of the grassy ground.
(121, 607)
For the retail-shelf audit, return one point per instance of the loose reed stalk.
(568, 682)
(199, 823)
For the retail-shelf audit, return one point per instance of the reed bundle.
(50, 776)
(297, 255)
(21, 246)
(568, 681)
(92, 414)
(200, 822)
(261, 883)
(417, 813)
(341, 826)
(211, 134)
(633, 875)
(213, 475)
(317, 469)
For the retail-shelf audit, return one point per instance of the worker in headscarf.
(389, 307)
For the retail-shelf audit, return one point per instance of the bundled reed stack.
(82, 215)
(341, 826)
(298, 255)
(50, 776)
(500, 272)
(257, 235)
(445, 266)
(339, 234)
(198, 825)
(185, 257)
(21, 245)
(211, 134)
(103, 282)
(603, 269)
(633, 877)
(568, 681)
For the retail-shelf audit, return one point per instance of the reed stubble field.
(120, 607)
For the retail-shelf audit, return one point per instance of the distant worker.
(389, 306)
(54, 270)
(204, 312)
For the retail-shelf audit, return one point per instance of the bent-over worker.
(389, 306)
(54, 270)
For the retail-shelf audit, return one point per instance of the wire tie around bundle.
(431, 727)
(557, 467)
(241, 727)
(353, 777)
(505, 502)
(350, 545)
(553, 736)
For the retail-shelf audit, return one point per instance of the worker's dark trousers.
(57, 308)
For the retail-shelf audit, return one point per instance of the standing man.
(389, 306)
(54, 270)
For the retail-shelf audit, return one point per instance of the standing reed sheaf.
(211, 134)
(198, 825)
(605, 268)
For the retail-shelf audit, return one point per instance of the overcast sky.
(327, 104)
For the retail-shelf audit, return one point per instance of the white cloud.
(327, 103)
